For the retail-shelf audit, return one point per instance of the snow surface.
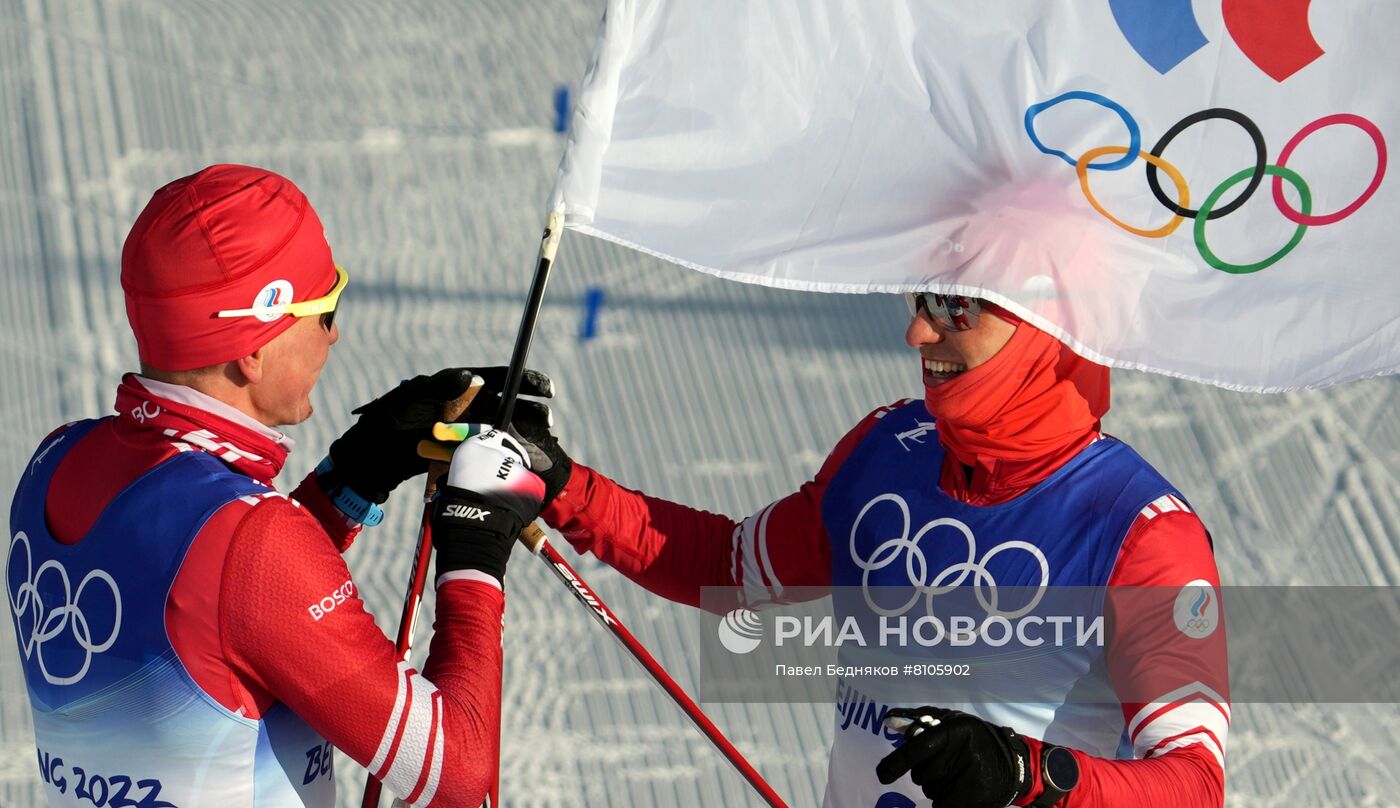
(421, 131)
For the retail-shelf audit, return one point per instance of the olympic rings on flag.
(1211, 209)
(1183, 191)
(1261, 157)
(1279, 173)
(1134, 133)
(1330, 120)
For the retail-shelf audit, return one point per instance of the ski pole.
(540, 546)
(422, 555)
(534, 538)
(569, 577)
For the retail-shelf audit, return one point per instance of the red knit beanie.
(228, 237)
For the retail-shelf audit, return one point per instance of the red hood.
(1022, 414)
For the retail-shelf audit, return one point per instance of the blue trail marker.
(592, 303)
(561, 108)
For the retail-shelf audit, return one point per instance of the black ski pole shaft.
(549, 245)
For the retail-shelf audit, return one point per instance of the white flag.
(1197, 189)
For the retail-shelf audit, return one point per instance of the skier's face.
(291, 364)
(946, 353)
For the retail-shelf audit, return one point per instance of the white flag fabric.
(1197, 189)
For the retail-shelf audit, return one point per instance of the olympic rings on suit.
(1211, 209)
(37, 621)
(1182, 190)
(918, 570)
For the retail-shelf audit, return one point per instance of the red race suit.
(1164, 741)
(241, 612)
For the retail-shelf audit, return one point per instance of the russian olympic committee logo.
(1275, 36)
(35, 627)
(1197, 610)
(276, 293)
(925, 582)
(1212, 209)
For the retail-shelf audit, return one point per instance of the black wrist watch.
(1059, 774)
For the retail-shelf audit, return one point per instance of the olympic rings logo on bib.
(922, 579)
(1211, 208)
(64, 623)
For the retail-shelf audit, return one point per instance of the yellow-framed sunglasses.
(324, 306)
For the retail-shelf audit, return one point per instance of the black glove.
(381, 449)
(547, 457)
(487, 498)
(527, 411)
(959, 759)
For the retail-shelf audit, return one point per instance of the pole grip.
(533, 538)
(451, 411)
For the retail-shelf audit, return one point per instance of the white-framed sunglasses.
(949, 312)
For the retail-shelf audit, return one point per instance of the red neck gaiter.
(1019, 416)
(242, 447)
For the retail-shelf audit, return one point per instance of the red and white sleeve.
(675, 551)
(1172, 681)
(295, 630)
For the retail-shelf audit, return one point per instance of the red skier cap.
(227, 237)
